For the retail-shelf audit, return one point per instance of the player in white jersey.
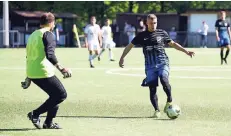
(107, 40)
(93, 39)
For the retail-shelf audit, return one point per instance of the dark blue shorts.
(152, 74)
(224, 42)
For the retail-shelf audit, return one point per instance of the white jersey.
(92, 33)
(106, 34)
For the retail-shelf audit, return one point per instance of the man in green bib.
(41, 59)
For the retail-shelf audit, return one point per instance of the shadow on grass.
(112, 117)
(18, 129)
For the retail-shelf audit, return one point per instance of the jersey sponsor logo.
(158, 38)
(145, 39)
(220, 23)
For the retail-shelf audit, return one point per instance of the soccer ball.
(173, 111)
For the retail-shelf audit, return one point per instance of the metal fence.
(186, 39)
(14, 39)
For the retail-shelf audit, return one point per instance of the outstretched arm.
(180, 48)
(125, 52)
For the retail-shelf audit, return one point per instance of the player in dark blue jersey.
(156, 61)
(223, 35)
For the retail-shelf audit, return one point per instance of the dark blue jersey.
(153, 47)
(222, 26)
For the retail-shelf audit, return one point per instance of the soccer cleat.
(92, 66)
(225, 61)
(166, 106)
(99, 59)
(112, 60)
(157, 114)
(34, 120)
(51, 126)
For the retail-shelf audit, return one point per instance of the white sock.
(90, 59)
(110, 54)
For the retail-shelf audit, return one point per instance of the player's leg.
(164, 79)
(227, 42)
(57, 94)
(102, 51)
(152, 81)
(90, 49)
(227, 53)
(221, 44)
(111, 56)
(110, 46)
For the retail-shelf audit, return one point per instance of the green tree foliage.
(109, 9)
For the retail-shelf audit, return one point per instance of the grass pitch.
(109, 101)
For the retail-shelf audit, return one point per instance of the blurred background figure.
(204, 32)
(141, 27)
(131, 32)
(173, 34)
(115, 32)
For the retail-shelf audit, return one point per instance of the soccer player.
(156, 61)
(107, 40)
(93, 39)
(223, 35)
(40, 62)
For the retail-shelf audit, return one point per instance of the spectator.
(141, 27)
(131, 32)
(203, 31)
(173, 34)
(115, 31)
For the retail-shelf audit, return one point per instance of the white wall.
(195, 21)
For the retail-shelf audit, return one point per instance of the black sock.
(167, 88)
(221, 54)
(154, 98)
(226, 54)
(51, 114)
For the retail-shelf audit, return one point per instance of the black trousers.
(57, 94)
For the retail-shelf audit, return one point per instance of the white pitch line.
(116, 72)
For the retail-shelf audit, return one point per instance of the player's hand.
(25, 84)
(66, 73)
(121, 63)
(190, 53)
(218, 39)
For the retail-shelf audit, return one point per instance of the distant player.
(40, 62)
(107, 40)
(223, 35)
(156, 61)
(93, 39)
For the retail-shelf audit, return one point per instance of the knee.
(90, 52)
(109, 49)
(164, 80)
(228, 47)
(97, 53)
(63, 96)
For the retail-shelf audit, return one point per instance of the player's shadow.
(111, 117)
(17, 129)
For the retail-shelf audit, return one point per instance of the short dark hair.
(47, 18)
(151, 16)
